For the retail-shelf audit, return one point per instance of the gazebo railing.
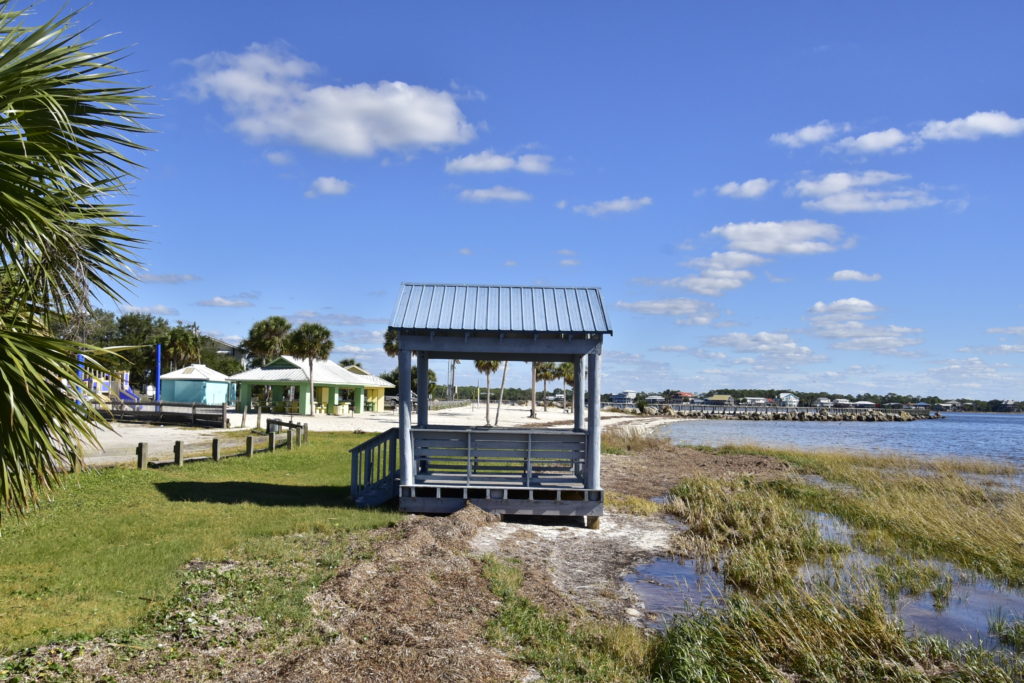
(375, 467)
(496, 457)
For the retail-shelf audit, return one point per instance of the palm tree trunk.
(488, 376)
(545, 395)
(501, 394)
(533, 390)
(312, 396)
(564, 386)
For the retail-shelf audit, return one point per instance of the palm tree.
(267, 339)
(487, 367)
(184, 345)
(533, 390)
(567, 371)
(391, 342)
(311, 341)
(65, 239)
(501, 393)
(545, 372)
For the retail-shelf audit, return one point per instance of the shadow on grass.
(256, 493)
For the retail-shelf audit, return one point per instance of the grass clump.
(631, 505)
(560, 649)
(1008, 631)
(109, 547)
(622, 440)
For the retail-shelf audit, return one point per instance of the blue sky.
(805, 195)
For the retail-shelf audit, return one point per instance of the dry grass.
(631, 505)
(623, 439)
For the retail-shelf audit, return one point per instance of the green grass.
(108, 548)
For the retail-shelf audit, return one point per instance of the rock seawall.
(805, 415)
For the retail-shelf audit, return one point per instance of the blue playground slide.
(129, 396)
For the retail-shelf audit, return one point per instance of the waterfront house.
(841, 403)
(788, 400)
(755, 401)
(823, 402)
(624, 397)
(864, 404)
(197, 383)
(720, 400)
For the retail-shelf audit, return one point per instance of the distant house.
(197, 384)
(841, 403)
(864, 404)
(823, 402)
(681, 397)
(654, 398)
(755, 401)
(624, 397)
(223, 348)
(788, 400)
(922, 404)
(892, 405)
(720, 400)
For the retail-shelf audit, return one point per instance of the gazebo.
(438, 469)
(329, 379)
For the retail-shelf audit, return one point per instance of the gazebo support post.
(593, 471)
(577, 394)
(422, 388)
(405, 415)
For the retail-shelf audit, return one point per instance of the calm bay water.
(995, 436)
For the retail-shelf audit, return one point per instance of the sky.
(805, 195)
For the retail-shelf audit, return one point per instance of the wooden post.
(259, 415)
(271, 443)
(288, 441)
(142, 453)
(305, 433)
(245, 413)
(248, 446)
(215, 450)
(224, 416)
(178, 459)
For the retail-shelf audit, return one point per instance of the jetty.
(762, 412)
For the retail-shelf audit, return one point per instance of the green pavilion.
(337, 390)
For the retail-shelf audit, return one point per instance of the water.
(989, 436)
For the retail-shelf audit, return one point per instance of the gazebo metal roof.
(288, 369)
(500, 309)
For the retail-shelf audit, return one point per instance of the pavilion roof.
(325, 373)
(196, 371)
(500, 308)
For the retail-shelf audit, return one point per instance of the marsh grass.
(632, 505)
(109, 547)
(1009, 632)
(621, 440)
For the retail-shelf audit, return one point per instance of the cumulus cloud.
(671, 348)
(278, 158)
(498, 193)
(620, 205)
(168, 278)
(849, 192)
(845, 322)
(265, 89)
(855, 276)
(511, 264)
(721, 272)
(775, 345)
(568, 262)
(748, 189)
(333, 319)
(223, 302)
(489, 162)
(688, 311)
(780, 237)
(328, 185)
(466, 251)
(974, 126)
(1005, 330)
(891, 139)
(808, 135)
(158, 309)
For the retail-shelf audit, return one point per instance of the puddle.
(669, 587)
(831, 527)
(822, 482)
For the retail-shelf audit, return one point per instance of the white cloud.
(727, 260)
(843, 321)
(775, 345)
(264, 89)
(466, 251)
(565, 252)
(855, 276)
(328, 185)
(511, 264)
(158, 309)
(974, 126)
(688, 311)
(620, 205)
(489, 162)
(845, 307)
(168, 278)
(891, 139)
(568, 262)
(845, 192)
(221, 302)
(349, 348)
(497, 193)
(721, 272)
(808, 135)
(1005, 330)
(278, 158)
(748, 189)
(780, 237)
(561, 204)
(673, 349)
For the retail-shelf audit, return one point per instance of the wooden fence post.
(288, 442)
(259, 415)
(193, 414)
(245, 413)
(142, 451)
(248, 446)
(215, 450)
(271, 443)
(305, 433)
(178, 459)
(223, 415)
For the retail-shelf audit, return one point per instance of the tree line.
(809, 398)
